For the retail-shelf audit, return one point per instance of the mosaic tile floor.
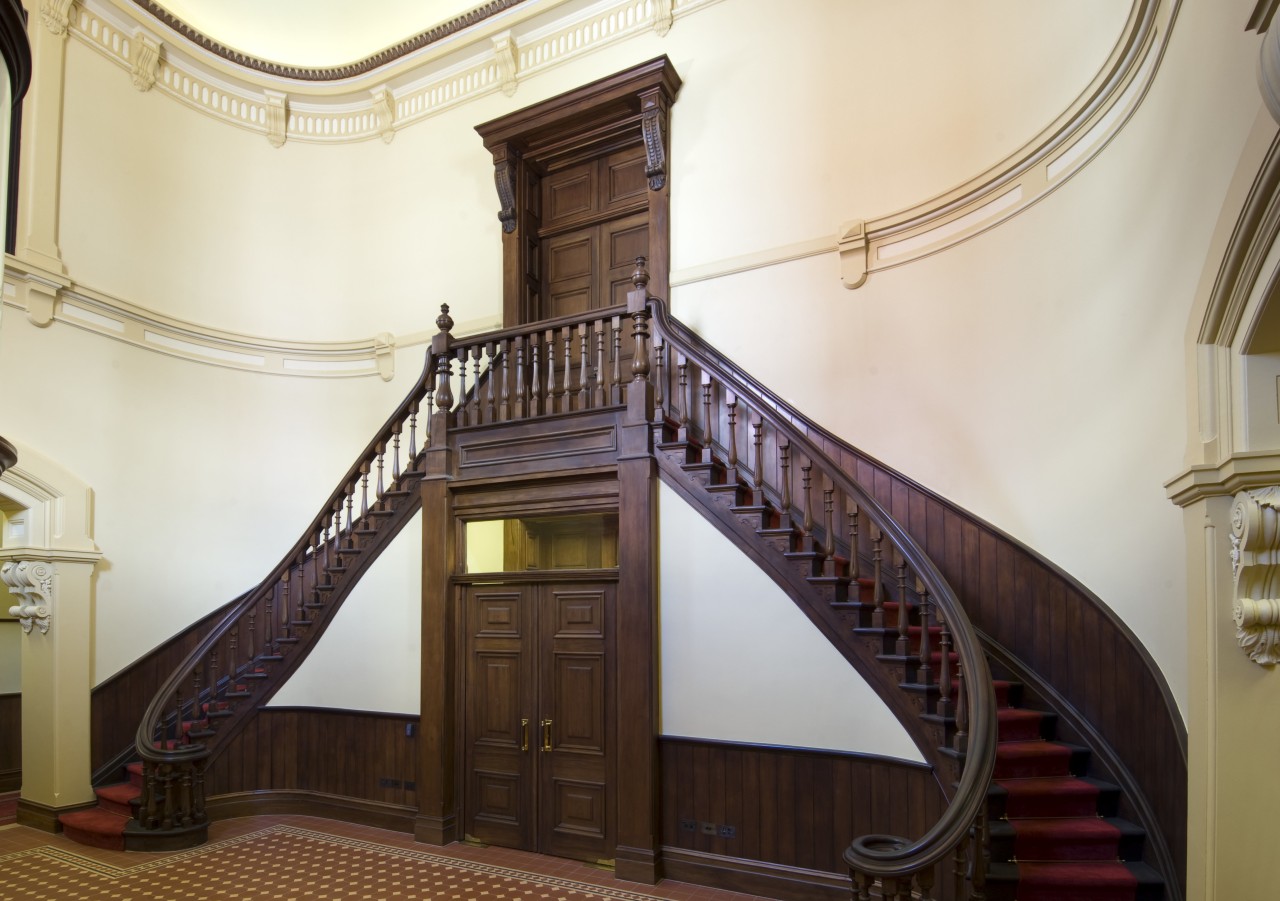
(307, 858)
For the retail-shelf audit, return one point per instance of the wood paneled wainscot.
(775, 821)
(10, 742)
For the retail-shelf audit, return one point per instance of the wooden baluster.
(269, 640)
(351, 500)
(315, 559)
(549, 350)
(379, 488)
(686, 399)
(233, 653)
(924, 884)
(535, 369)
(828, 526)
(757, 474)
(853, 548)
(615, 388)
(708, 433)
(490, 395)
(784, 450)
(601, 369)
(504, 400)
(902, 647)
(519, 398)
(877, 575)
(286, 610)
(177, 720)
(444, 387)
(395, 454)
(566, 394)
(924, 675)
(584, 369)
(806, 481)
(213, 673)
(477, 405)
(364, 489)
(960, 868)
(944, 665)
(960, 741)
(195, 696)
(413, 433)
(981, 846)
(659, 381)
(252, 653)
(302, 579)
(731, 462)
(463, 407)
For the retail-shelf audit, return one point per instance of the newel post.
(442, 352)
(640, 391)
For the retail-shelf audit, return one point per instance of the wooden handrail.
(883, 857)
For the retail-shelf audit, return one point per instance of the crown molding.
(1239, 472)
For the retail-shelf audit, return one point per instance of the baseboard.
(754, 877)
(312, 804)
(44, 817)
(10, 780)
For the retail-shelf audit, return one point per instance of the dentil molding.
(32, 582)
(1255, 555)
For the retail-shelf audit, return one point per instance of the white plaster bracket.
(277, 104)
(56, 15)
(32, 582)
(145, 62)
(852, 246)
(384, 353)
(1255, 562)
(663, 16)
(504, 49)
(384, 107)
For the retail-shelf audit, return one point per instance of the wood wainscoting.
(350, 765)
(10, 742)
(792, 813)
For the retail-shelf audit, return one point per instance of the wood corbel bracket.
(504, 179)
(653, 127)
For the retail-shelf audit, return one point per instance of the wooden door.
(539, 679)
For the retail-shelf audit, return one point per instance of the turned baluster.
(731, 405)
(463, 412)
(535, 388)
(195, 688)
(924, 885)
(757, 474)
(269, 618)
(944, 664)
(925, 672)
(380, 489)
(686, 399)
(904, 641)
(877, 561)
(784, 450)
(584, 368)
(615, 386)
(364, 489)
(177, 720)
(980, 848)
(351, 529)
(960, 867)
(302, 582)
(444, 387)
(251, 652)
(960, 741)
(395, 455)
(233, 654)
(828, 547)
(549, 346)
(659, 382)
(708, 435)
(806, 481)
(413, 433)
(566, 395)
(862, 884)
(853, 548)
(490, 396)
(504, 397)
(213, 674)
(316, 547)
(601, 369)
(518, 406)
(286, 609)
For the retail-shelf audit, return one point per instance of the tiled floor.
(293, 857)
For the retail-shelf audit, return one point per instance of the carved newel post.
(640, 391)
(1255, 563)
(442, 350)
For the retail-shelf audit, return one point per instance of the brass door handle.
(524, 733)
(546, 735)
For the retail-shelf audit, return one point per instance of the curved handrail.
(156, 710)
(886, 856)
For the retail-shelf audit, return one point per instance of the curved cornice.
(326, 73)
(15, 47)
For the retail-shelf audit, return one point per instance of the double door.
(538, 691)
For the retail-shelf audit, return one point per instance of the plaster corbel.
(40, 298)
(145, 63)
(852, 246)
(504, 50)
(56, 15)
(31, 581)
(663, 16)
(277, 105)
(1255, 562)
(384, 107)
(384, 353)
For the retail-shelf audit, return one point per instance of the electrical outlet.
(689, 825)
(410, 786)
(408, 730)
(708, 828)
(384, 782)
(728, 831)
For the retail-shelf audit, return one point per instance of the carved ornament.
(277, 117)
(653, 124)
(504, 178)
(1255, 553)
(146, 61)
(56, 15)
(663, 16)
(504, 50)
(31, 581)
(384, 108)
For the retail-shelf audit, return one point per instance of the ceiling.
(313, 33)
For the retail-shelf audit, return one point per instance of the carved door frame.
(629, 108)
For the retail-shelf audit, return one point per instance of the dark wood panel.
(344, 753)
(10, 742)
(788, 806)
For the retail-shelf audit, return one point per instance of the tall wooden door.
(538, 684)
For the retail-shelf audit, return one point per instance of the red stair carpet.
(103, 826)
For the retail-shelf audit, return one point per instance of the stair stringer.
(1076, 728)
(836, 626)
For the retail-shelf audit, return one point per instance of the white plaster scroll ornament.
(32, 582)
(1255, 563)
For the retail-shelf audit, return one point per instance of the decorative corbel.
(663, 16)
(277, 117)
(32, 582)
(1255, 553)
(504, 178)
(384, 354)
(145, 51)
(56, 15)
(504, 50)
(852, 245)
(384, 107)
(653, 126)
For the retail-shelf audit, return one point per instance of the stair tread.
(120, 792)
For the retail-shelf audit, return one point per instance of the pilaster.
(40, 172)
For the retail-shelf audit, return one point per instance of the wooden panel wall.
(789, 806)
(10, 742)
(336, 752)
